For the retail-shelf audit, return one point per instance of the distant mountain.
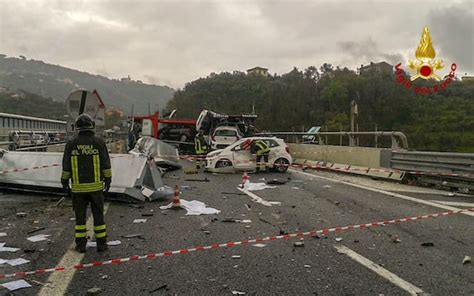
(57, 82)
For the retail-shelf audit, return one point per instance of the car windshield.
(225, 133)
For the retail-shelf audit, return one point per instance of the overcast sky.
(174, 42)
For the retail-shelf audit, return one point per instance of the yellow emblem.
(425, 64)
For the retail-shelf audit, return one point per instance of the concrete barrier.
(355, 160)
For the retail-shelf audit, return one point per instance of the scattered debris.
(451, 194)
(17, 261)
(206, 231)
(298, 244)
(247, 206)
(147, 214)
(139, 221)
(296, 188)
(257, 186)
(159, 288)
(238, 293)
(185, 187)
(260, 245)
(134, 235)
(147, 192)
(194, 208)
(327, 186)
(94, 291)
(3, 234)
(104, 277)
(136, 206)
(307, 266)
(229, 220)
(336, 203)
(276, 182)
(7, 249)
(38, 238)
(60, 201)
(427, 244)
(16, 285)
(338, 239)
(396, 240)
(36, 229)
(466, 260)
(190, 171)
(198, 180)
(235, 256)
(21, 214)
(246, 221)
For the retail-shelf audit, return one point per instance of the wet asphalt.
(277, 268)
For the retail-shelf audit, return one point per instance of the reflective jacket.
(261, 147)
(86, 161)
(200, 145)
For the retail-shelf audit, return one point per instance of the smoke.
(368, 50)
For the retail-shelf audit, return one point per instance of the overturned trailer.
(134, 176)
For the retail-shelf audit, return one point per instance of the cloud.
(174, 42)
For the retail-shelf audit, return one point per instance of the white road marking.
(392, 194)
(455, 203)
(59, 281)
(389, 276)
(258, 199)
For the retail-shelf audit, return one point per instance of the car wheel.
(223, 163)
(183, 138)
(281, 165)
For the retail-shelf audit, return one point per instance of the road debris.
(396, 240)
(147, 214)
(307, 266)
(16, 285)
(466, 260)
(276, 182)
(257, 186)
(17, 261)
(21, 214)
(429, 244)
(298, 244)
(327, 186)
(238, 293)
(338, 239)
(104, 277)
(60, 201)
(139, 221)
(3, 234)
(36, 229)
(38, 238)
(185, 187)
(260, 245)
(94, 291)
(165, 286)
(194, 208)
(134, 235)
(236, 257)
(197, 180)
(7, 249)
(296, 188)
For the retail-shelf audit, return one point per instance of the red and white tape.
(323, 231)
(29, 169)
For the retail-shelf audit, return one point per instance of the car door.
(243, 159)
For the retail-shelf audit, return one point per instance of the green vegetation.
(25, 103)
(443, 121)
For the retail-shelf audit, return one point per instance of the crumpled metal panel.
(163, 153)
(43, 169)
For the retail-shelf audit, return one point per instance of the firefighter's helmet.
(84, 122)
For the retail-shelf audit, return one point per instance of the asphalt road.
(278, 268)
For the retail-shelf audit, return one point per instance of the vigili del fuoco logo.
(425, 66)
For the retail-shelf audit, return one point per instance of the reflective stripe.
(262, 147)
(80, 227)
(107, 173)
(101, 235)
(99, 227)
(65, 175)
(80, 234)
(75, 170)
(96, 168)
(87, 187)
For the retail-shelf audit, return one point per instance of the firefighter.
(86, 162)
(201, 148)
(262, 150)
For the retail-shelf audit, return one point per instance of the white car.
(224, 136)
(234, 158)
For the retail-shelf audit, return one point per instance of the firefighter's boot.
(81, 245)
(102, 245)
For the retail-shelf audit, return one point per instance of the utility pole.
(354, 113)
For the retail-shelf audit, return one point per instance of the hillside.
(57, 82)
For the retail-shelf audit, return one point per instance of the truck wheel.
(281, 165)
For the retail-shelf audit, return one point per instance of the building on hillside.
(467, 78)
(380, 68)
(258, 71)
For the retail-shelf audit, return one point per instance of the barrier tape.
(150, 256)
(29, 169)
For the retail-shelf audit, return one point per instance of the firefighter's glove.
(65, 183)
(107, 182)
